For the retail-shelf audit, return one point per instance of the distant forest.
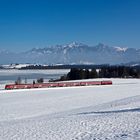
(103, 72)
(63, 67)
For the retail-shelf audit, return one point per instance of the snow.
(11, 75)
(75, 44)
(119, 49)
(72, 113)
(72, 53)
(15, 66)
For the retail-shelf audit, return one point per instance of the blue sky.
(25, 24)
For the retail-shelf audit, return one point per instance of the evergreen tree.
(93, 74)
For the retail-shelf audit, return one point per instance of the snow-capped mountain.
(74, 53)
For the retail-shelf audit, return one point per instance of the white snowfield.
(109, 112)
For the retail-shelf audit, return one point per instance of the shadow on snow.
(113, 111)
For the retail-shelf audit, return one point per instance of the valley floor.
(110, 112)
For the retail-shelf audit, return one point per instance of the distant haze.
(73, 53)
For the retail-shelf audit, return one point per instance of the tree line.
(104, 72)
(62, 66)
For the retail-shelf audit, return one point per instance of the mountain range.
(74, 53)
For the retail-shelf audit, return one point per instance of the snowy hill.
(74, 53)
(74, 113)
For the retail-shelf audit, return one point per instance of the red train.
(57, 84)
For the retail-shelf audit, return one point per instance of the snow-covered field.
(110, 112)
